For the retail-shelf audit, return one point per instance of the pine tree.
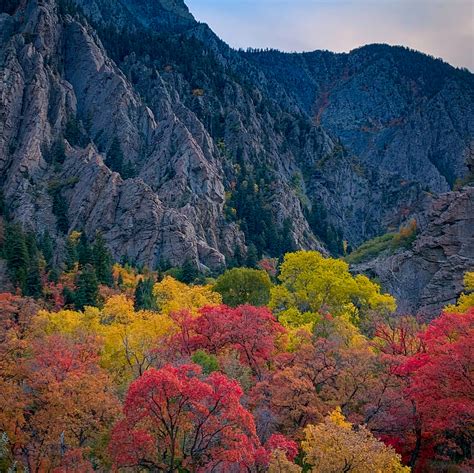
(33, 286)
(58, 153)
(46, 247)
(115, 157)
(16, 253)
(60, 209)
(189, 272)
(87, 292)
(252, 256)
(102, 261)
(128, 171)
(84, 252)
(71, 254)
(144, 298)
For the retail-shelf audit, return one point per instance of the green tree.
(206, 361)
(73, 132)
(84, 251)
(87, 292)
(189, 272)
(102, 261)
(115, 160)
(144, 298)
(15, 251)
(46, 247)
(60, 208)
(71, 253)
(252, 256)
(33, 286)
(58, 153)
(240, 286)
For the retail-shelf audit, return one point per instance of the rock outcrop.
(429, 276)
(222, 149)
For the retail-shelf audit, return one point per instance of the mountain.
(130, 118)
(424, 278)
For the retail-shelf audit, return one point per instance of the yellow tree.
(313, 285)
(129, 338)
(466, 300)
(279, 463)
(334, 446)
(172, 295)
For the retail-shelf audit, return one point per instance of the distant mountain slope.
(130, 118)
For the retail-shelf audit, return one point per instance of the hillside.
(134, 120)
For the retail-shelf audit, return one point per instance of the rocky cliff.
(428, 276)
(130, 118)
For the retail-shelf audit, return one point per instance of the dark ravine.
(225, 147)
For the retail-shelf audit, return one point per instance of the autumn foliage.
(323, 379)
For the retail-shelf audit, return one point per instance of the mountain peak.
(157, 13)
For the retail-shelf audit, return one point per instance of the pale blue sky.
(443, 28)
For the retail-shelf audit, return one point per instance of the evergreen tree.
(87, 292)
(102, 261)
(33, 286)
(252, 256)
(73, 132)
(189, 272)
(144, 298)
(84, 251)
(46, 247)
(128, 171)
(57, 154)
(71, 254)
(16, 253)
(53, 276)
(115, 157)
(3, 205)
(60, 209)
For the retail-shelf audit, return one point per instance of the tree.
(15, 251)
(129, 338)
(312, 284)
(144, 298)
(175, 420)
(115, 159)
(334, 446)
(279, 463)
(87, 292)
(252, 256)
(46, 247)
(335, 365)
(33, 286)
(84, 250)
(241, 286)
(466, 300)
(73, 404)
(102, 261)
(60, 208)
(251, 331)
(439, 390)
(172, 295)
(189, 272)
(71, 250)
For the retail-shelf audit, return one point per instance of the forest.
(292, 366)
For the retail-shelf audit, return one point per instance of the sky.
(442, 28)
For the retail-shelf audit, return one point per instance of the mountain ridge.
(221, 150)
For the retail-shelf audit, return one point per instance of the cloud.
(440, 28)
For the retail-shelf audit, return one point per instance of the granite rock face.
(365, 136)
(427, 277)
